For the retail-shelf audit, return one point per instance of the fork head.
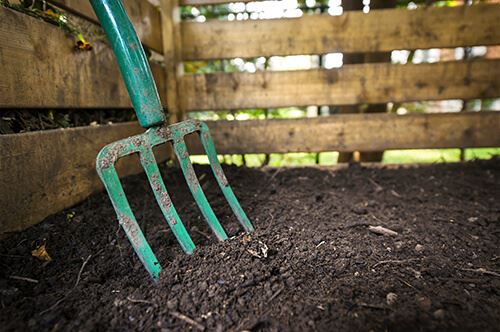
(143, 145)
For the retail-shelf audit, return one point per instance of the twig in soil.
(139, 301)
(76, 284)
(54, 305)
(272, 217)
(24, 279)
(374, 217)
(372, 306)
(275, 294)
(395, 261)
(320, 244)
(188, 320)
(395, 193)
(15, 256)
(276, 173)
(21, 242)
(464, 280)
(81, 270)
(378, 187)
(407, 283)
(382, 230)
(482, 270)
(205, 235)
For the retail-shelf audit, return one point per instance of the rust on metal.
(165, 200)
(191, 177)
(155, 182)
(130, 227)
(112, 154)
(163, 132)
(137, 140)
(144, 160)
(221, 176)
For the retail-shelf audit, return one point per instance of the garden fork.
(139, 81)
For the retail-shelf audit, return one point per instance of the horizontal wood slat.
(351, 84)
(351, 132)
(221, 2)
(377, 31)
(42, 173)
(41, 68)
(144, 16)
(208, 2)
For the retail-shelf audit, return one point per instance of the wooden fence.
(44, 172)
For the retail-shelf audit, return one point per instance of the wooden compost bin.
(44, 172)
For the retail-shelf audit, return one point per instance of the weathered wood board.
(144, 16)
(377, 31)
(363, 132)
(208, 2)
(42, 173)
(41, 68)
(351, 84)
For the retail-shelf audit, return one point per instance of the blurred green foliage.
(421, 156)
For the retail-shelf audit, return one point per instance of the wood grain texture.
(171, 19)
(218, 2)
(41, 68)
(362, 132)
(378, 31)
(208, 2)
(144, 16)
(351, 84)
(42, 173)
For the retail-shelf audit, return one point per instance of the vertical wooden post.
(355, 58)
(378, 57)
(170, 22)
(350, 58)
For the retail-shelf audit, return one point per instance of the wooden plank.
(377, 31)
(41, 68)
(351, 84)
(42, 173)
(220, 2)
(209, 2)
(144, 16)
(350, 132)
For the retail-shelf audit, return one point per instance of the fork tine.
(194, 185)
(148, 162)
(127, 219)
(208, 144)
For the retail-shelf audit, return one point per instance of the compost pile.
(313, 263)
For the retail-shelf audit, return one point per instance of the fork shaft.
(132, 61)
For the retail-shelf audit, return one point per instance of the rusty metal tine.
(208, 144)
(150, 166)
(182, 154)
(126, 218)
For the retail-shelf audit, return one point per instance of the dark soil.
(324, 269)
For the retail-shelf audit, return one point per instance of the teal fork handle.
(132, 61)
